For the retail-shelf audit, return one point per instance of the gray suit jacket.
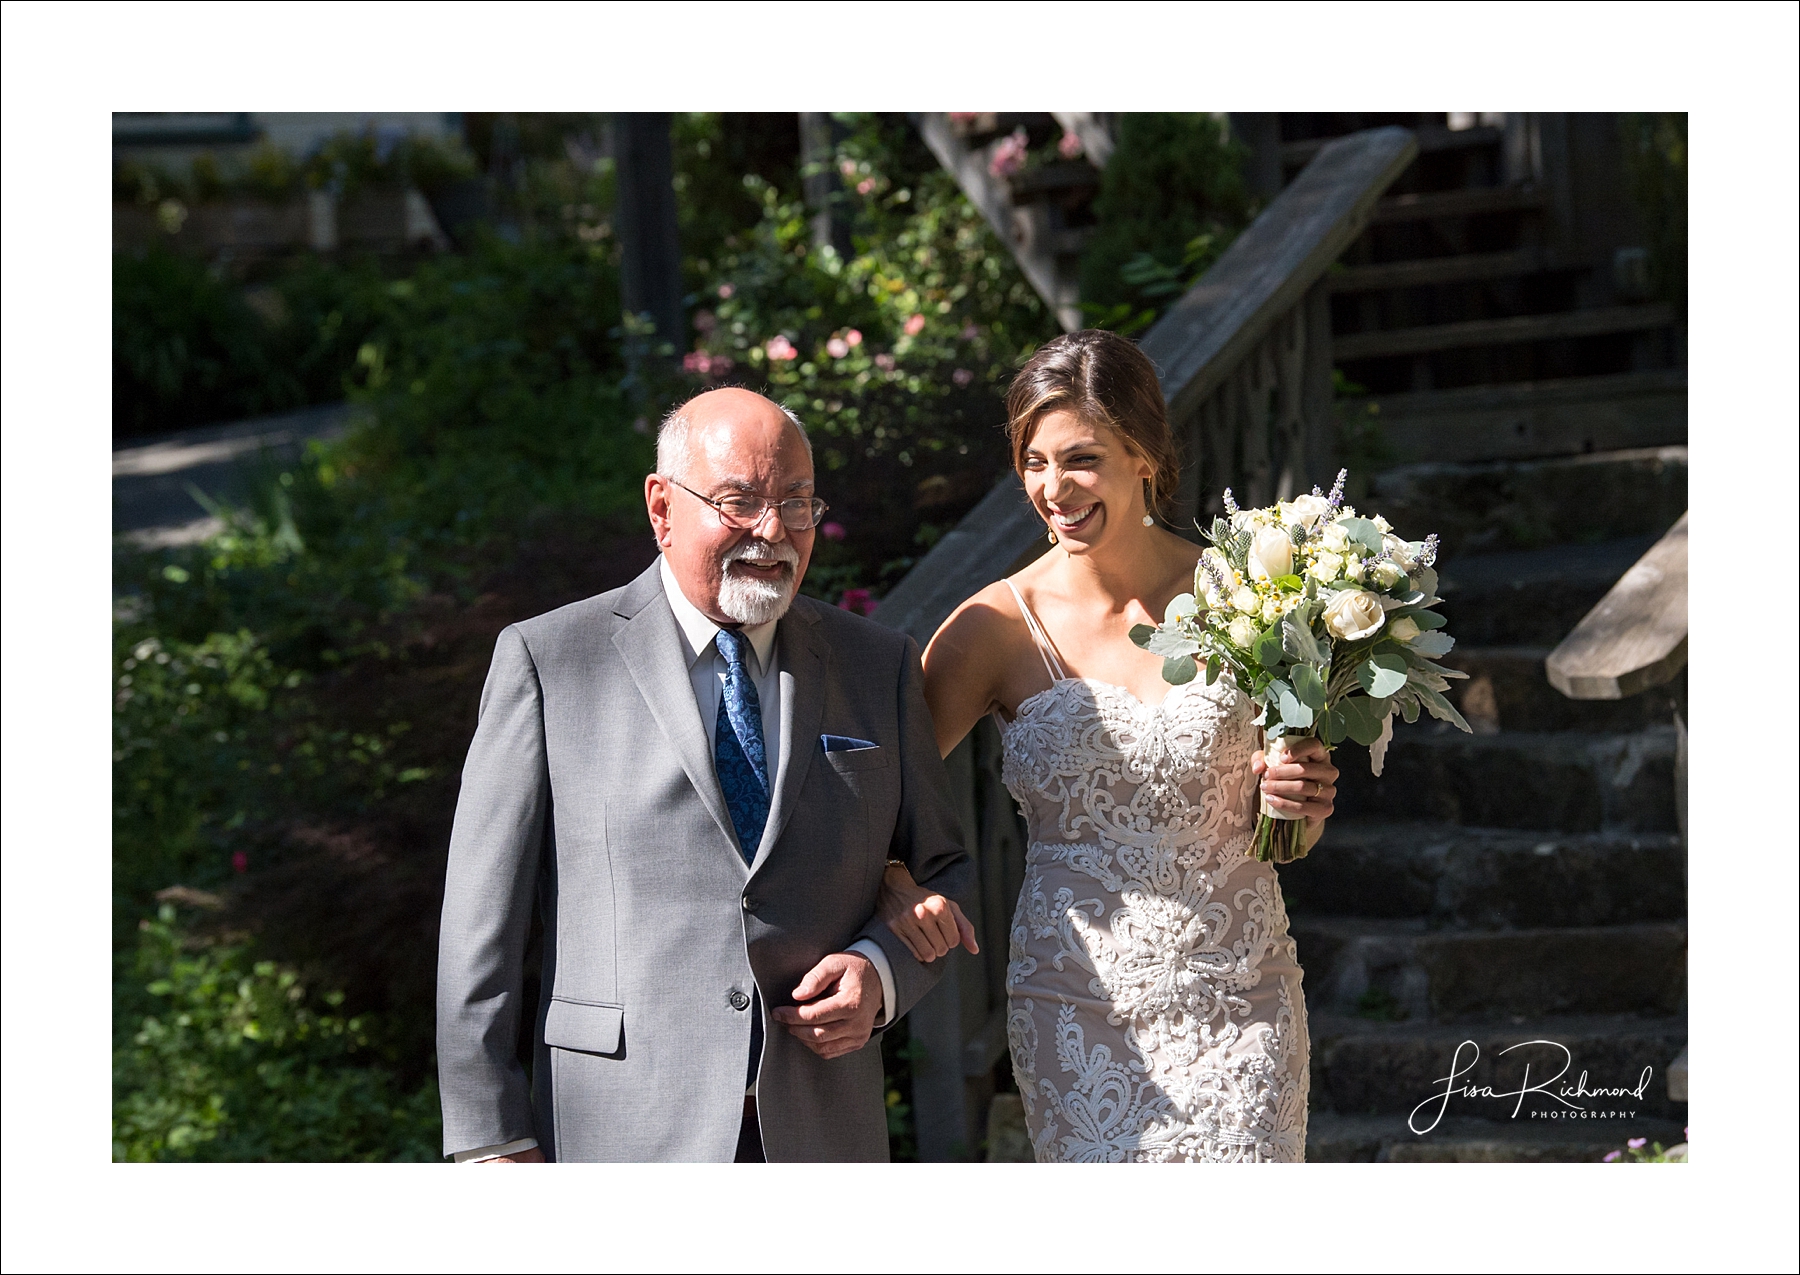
(590, 789)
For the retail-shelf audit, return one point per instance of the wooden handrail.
(1244, 313)
(1636, 636)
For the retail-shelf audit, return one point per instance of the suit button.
(739, 1000)
(749, 903)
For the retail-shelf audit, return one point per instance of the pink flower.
(847, 167)
(1635, 1143)
(837, 347)
(725, 291)
(857, 602)
(963, 117)
(705, 321)
(852, 338)
(780, 349)
(1069, 147)
(885, 362)
(866, 185)
(962, 376)
(696, 361)
(832, 530)
(914, 325)
(721, 364)
(970, 331)
(240, 862)
(1610, 1157)
(1009, 154)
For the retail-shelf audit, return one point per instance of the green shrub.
(1656, 168)
(236, 1061)
(1172, 198)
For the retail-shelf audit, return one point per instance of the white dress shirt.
(706, 671)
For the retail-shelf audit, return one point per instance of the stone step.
(1531, 597)
(1528, 504)
(1488, 877)
(1337, 1139)
(1560, 781)
(1364, 1068)
(1400, 969)
(1508, 690)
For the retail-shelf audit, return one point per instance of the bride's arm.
(964, 666)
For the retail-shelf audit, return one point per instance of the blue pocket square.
(844, 743)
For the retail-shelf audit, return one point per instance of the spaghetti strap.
(1052, 665)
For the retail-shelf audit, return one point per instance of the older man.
(698, 779)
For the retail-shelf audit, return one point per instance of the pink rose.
(240, 862)
(1069, 147)
(705, 321)
(847, 167)
(914, 325)
(696, 361)
(837, 347)
(725, 291)
(885, 362)
(962, 376)
(857, 602)
(970, 331)
(1009, 154)
(852, 338)
(780, 349)
(721, 364)
(866, 185)
(832, 530)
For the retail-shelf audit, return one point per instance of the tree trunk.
(649, 240)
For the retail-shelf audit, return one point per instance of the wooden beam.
(1636, 636)
(1431, 141)
(1474, 202)
(1534, 418)
(1096, 140)
(1467, 268)
(1268, 268)
(1515, 331)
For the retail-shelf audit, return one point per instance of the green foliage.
(1172, 198)
(1656, 167)
(222, 1057)
(346, 163)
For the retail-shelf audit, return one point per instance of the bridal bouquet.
(1323, 618)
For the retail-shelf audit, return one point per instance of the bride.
(1154, 1002)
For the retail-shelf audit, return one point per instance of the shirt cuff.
(878, 958)
(494, 1152)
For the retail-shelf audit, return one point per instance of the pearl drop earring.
(1149, 521)
(1052, 535)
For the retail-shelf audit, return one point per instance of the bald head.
(675, 440)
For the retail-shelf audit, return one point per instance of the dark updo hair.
(1105, 380)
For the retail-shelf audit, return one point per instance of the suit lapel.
(805, 662)
(651, 647)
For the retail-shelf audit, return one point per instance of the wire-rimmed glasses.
(745, 513)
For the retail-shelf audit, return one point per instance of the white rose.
(1336, 538)
(1399, 550)
(1304, 511)
(1354, 614)
(1387, 575)
(1326, 568)
(1405, 628)
(1271, 608)
(1382, 524)
(1243, 631)
(1271, 554)
(1245, 600)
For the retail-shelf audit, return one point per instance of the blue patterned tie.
(738, 753)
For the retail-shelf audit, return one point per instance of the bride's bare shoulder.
(984, 621)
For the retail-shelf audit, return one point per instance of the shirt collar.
(699, 631)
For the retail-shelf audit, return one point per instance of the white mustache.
(762, 551)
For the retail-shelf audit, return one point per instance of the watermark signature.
(1570, 1096)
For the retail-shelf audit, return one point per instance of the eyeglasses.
(799, 513)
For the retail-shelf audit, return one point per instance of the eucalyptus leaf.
(1141, 634)
(1299, 641)
(1364, 533)
(1425, 578)
(1184, 606)
(1433, 645)
(1363, 718)
(1180, 670)
(1267, 648)
(1387, 674)
(1428, 619)
(1309, 686)
(1294, 714)
(1331, 727)
(1212, 669)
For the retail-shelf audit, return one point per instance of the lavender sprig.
(1428, 554)
(1336, 497)
(1216, 578)
(1231, 506)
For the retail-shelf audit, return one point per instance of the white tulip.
(1271, 554)
(1354, 614)
(1304, 511)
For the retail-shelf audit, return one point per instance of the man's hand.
(839, 1000)
(532, 1156)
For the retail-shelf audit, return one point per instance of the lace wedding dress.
(1154, 1002)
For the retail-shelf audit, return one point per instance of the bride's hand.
(929, 924)
(1305, 784)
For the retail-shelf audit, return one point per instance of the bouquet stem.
(1279, 838)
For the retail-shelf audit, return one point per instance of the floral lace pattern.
(1155, 1010)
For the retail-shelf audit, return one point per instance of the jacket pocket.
(586, 1026)
(853, 759)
